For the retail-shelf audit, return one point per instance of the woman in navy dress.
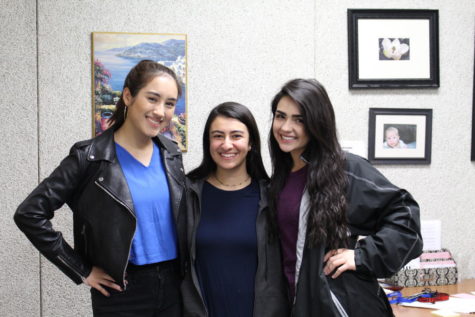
(235, 268)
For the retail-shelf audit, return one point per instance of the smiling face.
(229, 143)
(288, 128)
(152, 108)
(392, 138)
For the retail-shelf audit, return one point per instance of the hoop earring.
(125, 112)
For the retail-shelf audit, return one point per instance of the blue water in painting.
(119, 67)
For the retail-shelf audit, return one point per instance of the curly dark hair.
(326, 180)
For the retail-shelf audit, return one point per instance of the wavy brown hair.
(326, 180)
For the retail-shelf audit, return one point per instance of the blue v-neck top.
(155, 235)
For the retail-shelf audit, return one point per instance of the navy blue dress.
(226, 249)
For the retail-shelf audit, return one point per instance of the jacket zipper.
(83, 232)
(59, 257)
(338, 305)
(135, 227)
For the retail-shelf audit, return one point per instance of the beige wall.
(19, 260)
(237, 50)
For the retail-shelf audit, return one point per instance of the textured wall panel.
(20, 286)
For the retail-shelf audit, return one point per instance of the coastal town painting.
(114, 54)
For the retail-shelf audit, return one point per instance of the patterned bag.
(436, 268)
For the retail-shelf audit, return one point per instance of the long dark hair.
(255, 167)
(326, 181)
(138, 77)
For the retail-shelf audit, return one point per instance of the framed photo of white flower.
(399, 136)
(389, 48)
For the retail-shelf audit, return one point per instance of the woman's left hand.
(339, 260)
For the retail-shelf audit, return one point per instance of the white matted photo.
(393, 48)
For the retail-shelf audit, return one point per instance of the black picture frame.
(377, 37)
(411, 126)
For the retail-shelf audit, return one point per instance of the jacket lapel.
(111, 178)
(113, 181)
(175, 174)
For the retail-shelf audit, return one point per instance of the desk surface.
(404, 311)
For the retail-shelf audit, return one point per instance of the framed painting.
(399, 136)
(114, 54)
(393, 48)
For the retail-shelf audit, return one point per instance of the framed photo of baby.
(393, 48)
(399, 136)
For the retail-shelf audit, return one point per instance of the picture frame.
(393, 48)
(114, 54)
(399, 136)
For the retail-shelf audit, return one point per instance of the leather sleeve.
(389, 218)
(35, 212)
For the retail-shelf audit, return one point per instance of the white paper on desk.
(431, 234)
(458, 305)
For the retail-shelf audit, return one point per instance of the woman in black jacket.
(341, 223)
(235, 270)
(118, 185)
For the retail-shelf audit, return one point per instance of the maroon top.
(288, 205)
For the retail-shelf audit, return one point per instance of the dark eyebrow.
(297, 116)
(233, 131)
(158, 95)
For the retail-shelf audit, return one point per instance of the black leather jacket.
(91, 182)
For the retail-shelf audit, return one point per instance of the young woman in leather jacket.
(341, 223)
(235, 269)
(126, 191)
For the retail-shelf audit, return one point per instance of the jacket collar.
(195, 185)
(103, 146)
